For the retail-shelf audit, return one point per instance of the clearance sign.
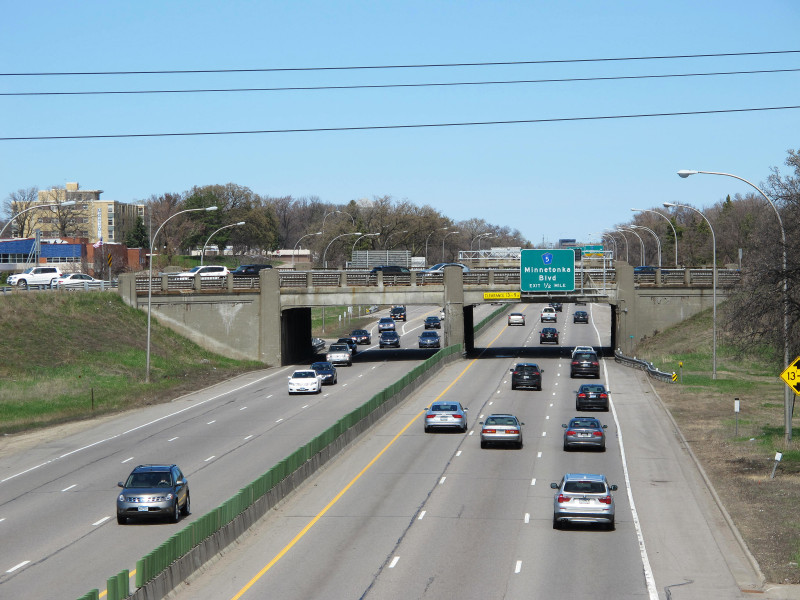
(501, 295)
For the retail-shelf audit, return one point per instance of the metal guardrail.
(645, 366)
(83, 287)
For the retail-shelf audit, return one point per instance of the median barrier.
(161, 570)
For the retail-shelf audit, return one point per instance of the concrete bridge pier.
(454, 325)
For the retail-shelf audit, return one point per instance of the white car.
(439, 268)
(582, 349)
(74, 281)
(41, 276)
(206, 272)
(306, 381)
(549, 314)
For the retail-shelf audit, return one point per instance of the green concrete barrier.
(202, 528)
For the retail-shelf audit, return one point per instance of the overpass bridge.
(268, 318)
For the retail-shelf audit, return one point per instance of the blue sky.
(549, 180)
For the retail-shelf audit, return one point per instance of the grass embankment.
(737, 454)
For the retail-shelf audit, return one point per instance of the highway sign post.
(547, 270)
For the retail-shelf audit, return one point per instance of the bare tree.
(17, 202)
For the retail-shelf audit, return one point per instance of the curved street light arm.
(300, 240)
(11, 220)
(203, 251)
(675, 233)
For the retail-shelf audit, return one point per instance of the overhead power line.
(377, 127)
(399, 85)
(413, 66)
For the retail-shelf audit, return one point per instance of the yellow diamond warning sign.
(791, 375)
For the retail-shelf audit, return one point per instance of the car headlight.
(121, 498)
(169, 497)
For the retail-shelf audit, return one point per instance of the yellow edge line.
(338, 496)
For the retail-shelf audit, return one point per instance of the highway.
(404, 514)
(58, 530)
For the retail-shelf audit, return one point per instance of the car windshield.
(585, 487)
(149, 480)
(527, 368)
(339, 348)
(431, 334)
(585, 356)
(304, 375)
(501, 421)
(445, 407)
(592, 388)
(386, 320)
(360, 332)
(320, 366)
(585, 423)
(194, 270)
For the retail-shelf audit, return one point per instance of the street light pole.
(788, 399)
(203, 251)
(443, 239)
(150, 283)
(675, 233)
(324, 254)
(389, 237)
(655, 235)
(11, 220)
(714, 259)
(298, 242)
(429, 237)
(641, 243)
(363, 236)
(627, 257)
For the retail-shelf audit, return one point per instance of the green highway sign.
(592, 250)
(547, 270)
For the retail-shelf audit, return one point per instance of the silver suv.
(153, 491)
(583, 498)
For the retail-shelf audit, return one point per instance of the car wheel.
(187, 506)
(556, 523)
(572, 375)
(335, 380)
(519, 445)
(603, 448)
(566, 447)
(464, 428)
(611, 526)
(176, 512)
(577, 406)
(484, 445)
(122, 520)
(540, 387)
(513, 386)
(23, 284)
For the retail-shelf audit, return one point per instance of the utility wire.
(377, 127)
(398, 85)
(418, 66)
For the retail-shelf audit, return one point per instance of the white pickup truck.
(35, 276)
(339, 354)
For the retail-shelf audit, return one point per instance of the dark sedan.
(430, 339)
(591, 395)
(361, 336)
(327, 371)
(526, 375)
(557, 305)
(351, 343)
(433, 323)
(548, 335)
(580, 316)
(389, 339)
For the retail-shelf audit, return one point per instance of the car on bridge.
(429, 339)
(548, 335)
(249, 270)
(549, 315)
(584, 432)
(75, 281)
(205, 272)
(583, 498)
(501, 429)
(305, 381)
(439, 268)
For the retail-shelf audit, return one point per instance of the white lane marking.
(243, 408)
(270, 396)
(394, 562)
(559, 374)
(127, 460)
(101, 521)
(533, 481)
(538, 455)
(547, 418)
(248, 437)
(518, 568)
(458, 453)
(480, 417)
(172, 439)
(551, 404)
(360, 376)
(527, 517)
(3, 519)
(66, 489)
(25, 471)
(490, 403)
(19, 566)
(211, 422)
(648, 571)
(344, 385)
(544, 434)
(422, 514)
(209, 458)
(441, 481)
(498, 391)
(323, 395)
(307, 405)
(279, 420)
(471, 432)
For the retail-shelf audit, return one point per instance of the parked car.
(389, 339)
(526, 375)
(74, 281)
(361, 336)
(549, 314)
(584, 432)
(585, 364)
(249, 270)
(205, 272)
(429, 339)
(591, 395)
(548, 335)
(433, 322)
(580, 316)
(501, 429)
(35, 276)
(351, 343)
(339, 354)
(398, 313)
(516, 318)
(385, 324)
(445, 415)
(327, 371)
(556, 305)
(583, 498)
(305, 381)
(153, 491)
